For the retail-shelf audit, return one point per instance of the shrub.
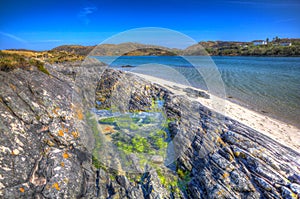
(9, 62)
(39, 65)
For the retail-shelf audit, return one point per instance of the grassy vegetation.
(62, 56)
(155, 143)
(169, 181)
(47, 56)
(11, 61)
(251, 50)
(98, 142)
(139, 134)
(137, 143)
(184, 179)
(175, 183)
(39, 65)
(24, 59)
(108, 120)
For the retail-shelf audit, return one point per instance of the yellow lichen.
(56, 186)
(22, 189)
(15, 152)
(13, 87)
(220, 193)
(55, 110)
(62, 164)
(102, 99)
(78, 114)
(225, 175)
(240, 154)
(220, 141)
(60, 132)
(230, 158)
(65, 155)
(75, 134)
(49, 142)
(237, 154)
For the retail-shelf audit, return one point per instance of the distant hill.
(237, 48)
(129, 49)
(150, 51)
(76, 49)
(213, 48)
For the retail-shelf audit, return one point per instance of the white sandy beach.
(285, 134)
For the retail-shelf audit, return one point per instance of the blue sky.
(45, 24)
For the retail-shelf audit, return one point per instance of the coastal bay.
(267, 85)
(284, 133)
(150, 99)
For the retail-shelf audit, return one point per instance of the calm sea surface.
(270, 85)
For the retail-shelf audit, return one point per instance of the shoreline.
(282, 132)
(268, 114)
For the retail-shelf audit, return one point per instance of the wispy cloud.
(13, 37)
(83, 14)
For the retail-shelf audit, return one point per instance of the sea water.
(269, 85)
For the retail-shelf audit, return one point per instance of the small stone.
(15, 152)
(157, 159)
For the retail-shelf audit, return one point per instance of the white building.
(259, 42)
(285, 44)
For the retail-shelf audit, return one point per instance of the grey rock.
(46, 143)
(36, 130)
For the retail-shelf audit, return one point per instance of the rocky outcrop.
(220, 157)
(44, 151)
(41, 153)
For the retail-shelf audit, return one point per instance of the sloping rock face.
(44, 152)
(222, 158)
(41, 153)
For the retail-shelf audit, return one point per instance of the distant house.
(259, 42)
(285, 44)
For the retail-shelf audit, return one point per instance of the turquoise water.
(270, 85)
